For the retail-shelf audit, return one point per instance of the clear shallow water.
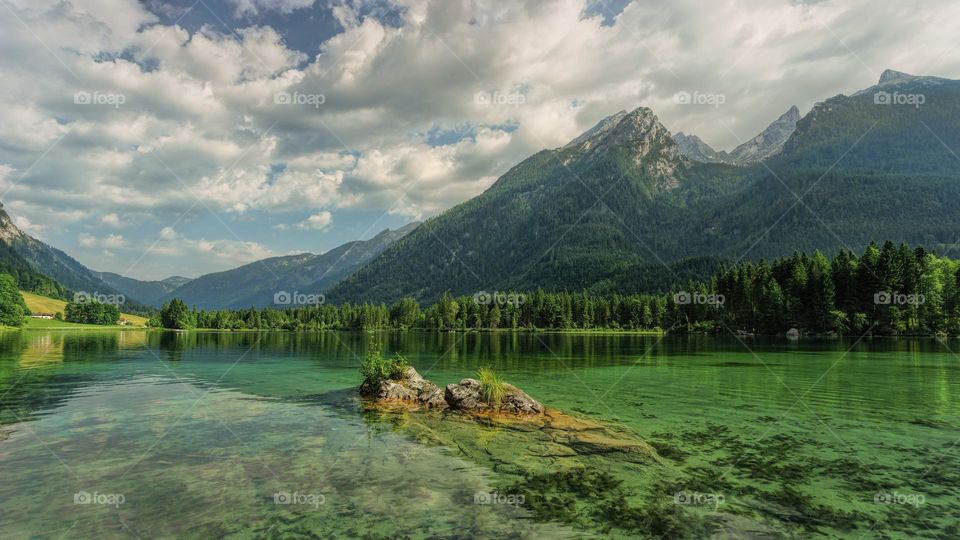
(198, 433)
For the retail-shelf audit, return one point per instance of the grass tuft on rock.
(492, 387)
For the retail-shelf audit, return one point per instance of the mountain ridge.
(766, 144)
(586, 215)
(255, 284)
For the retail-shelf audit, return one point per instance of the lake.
(137, 434)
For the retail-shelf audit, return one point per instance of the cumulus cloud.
(110, 113)
(224, 253)
(317, 222)
(246, 7)
(111, 220)
(111, 241)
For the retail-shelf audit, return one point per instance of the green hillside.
(43, 304)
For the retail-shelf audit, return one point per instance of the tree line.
(91, 312)
(887, 290)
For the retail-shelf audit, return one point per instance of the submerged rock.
(467, 395)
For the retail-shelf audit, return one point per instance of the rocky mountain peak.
(601, 128)
(694, 148)
(891, 75)
(639, 136)
(768, 143)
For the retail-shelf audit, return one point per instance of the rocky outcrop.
(467, 395)
(410, 388)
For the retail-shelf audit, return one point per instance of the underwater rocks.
(467, 395)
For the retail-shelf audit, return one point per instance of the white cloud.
(247, 7)
(220, 254)
(167, 233)
(110, 241)
(111, 220)
(168, 253)
(203, 123)
(317, 222)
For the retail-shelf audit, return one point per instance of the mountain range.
(148, 292)
(768, 143)
(45, 270)
(255, 284)
(624, 207)
(624, 198)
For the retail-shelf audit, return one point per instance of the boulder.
(396, 391)
(519, 402)
(409, 388)
(434, 399)
(467, 395)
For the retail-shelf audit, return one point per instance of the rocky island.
(395, 382)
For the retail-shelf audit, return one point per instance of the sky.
(181, 137)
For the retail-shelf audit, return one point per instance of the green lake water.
(130, 434)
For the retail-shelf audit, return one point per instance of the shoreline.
(524, 331)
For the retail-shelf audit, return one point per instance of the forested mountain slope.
(621, 199)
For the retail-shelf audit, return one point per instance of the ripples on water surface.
(200, 433)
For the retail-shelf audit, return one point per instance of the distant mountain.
(572, 218)
(255, 284)
(147, 292)
(52, 272)
(768, 143)
(176, 281)
(694, 148)
(28, 277)
(891, 75)
(68, 271)
(622, 201)
(880, 164)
